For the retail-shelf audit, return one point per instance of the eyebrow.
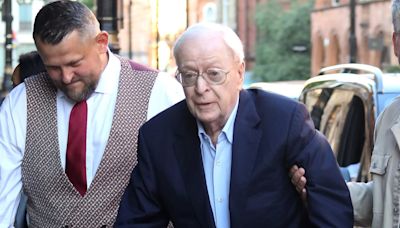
(73, 62)
(67, 64)
(187, 69)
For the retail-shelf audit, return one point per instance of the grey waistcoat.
(52, 199)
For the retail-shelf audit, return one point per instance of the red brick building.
(143, 32)
(140, 37)
(246, 28)
(330, 31)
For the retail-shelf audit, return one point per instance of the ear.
(102, 41)
(16, 76)
(241, 71)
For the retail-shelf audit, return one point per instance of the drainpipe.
(8, 47)
(107, 16)
(352, 38)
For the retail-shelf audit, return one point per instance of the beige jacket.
(376, 203)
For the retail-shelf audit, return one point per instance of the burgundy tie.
(76, 147)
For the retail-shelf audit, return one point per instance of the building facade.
(330, 33)
(23, 13)
(148, 29)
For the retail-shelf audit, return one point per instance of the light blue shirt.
(217, 169)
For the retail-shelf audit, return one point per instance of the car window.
(340, 113)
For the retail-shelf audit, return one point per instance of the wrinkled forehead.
(200, 35)
(209, 37)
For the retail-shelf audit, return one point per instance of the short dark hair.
(58, 19)
(30, 64)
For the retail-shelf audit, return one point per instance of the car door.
(344, 112)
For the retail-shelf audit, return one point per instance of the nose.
(201, 84)
(67, 75)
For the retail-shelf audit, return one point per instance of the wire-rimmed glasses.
(213, 76)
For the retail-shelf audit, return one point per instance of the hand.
(298, 179)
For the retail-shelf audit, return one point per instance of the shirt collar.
(228, 127)
(109, 78)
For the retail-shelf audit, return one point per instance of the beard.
(81, 95)
(78, 94)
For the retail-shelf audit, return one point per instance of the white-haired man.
(220, 158)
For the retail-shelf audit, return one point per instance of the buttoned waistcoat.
(52, 199)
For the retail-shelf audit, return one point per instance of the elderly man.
(220, 158)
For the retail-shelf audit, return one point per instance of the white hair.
(230, 38)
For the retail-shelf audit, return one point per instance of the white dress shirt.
(217, 162)
(13, 120)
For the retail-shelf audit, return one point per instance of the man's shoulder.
(391, 113)
(135, 65)
(16, 97)
(169, 117)
(138, 66)
(263, 95)
(40, 78)
(264, 100)
(394, 105)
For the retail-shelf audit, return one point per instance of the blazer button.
(103, 226)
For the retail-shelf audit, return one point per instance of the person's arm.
(12, 143)
(166, 92)
(328, 198)
(299, 181)
(361, 197)
(140, 206)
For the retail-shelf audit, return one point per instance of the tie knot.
(80, 103)
(80, 108)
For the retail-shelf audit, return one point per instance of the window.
(340, 114)
(210, 12)
(25, 17)
(335, 2)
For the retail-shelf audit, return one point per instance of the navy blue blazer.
(271, 133)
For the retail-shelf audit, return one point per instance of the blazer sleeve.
(140, 206)
(328, 199)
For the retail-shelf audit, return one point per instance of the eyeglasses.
(213, 76)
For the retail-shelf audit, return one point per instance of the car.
(291, 89)
(344, 102)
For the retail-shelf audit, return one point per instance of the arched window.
(210, 12)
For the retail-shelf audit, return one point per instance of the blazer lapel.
(246, 139)
(188, 153)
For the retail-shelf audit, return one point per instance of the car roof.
(291, 89)
(383, 86)
(369, 76)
